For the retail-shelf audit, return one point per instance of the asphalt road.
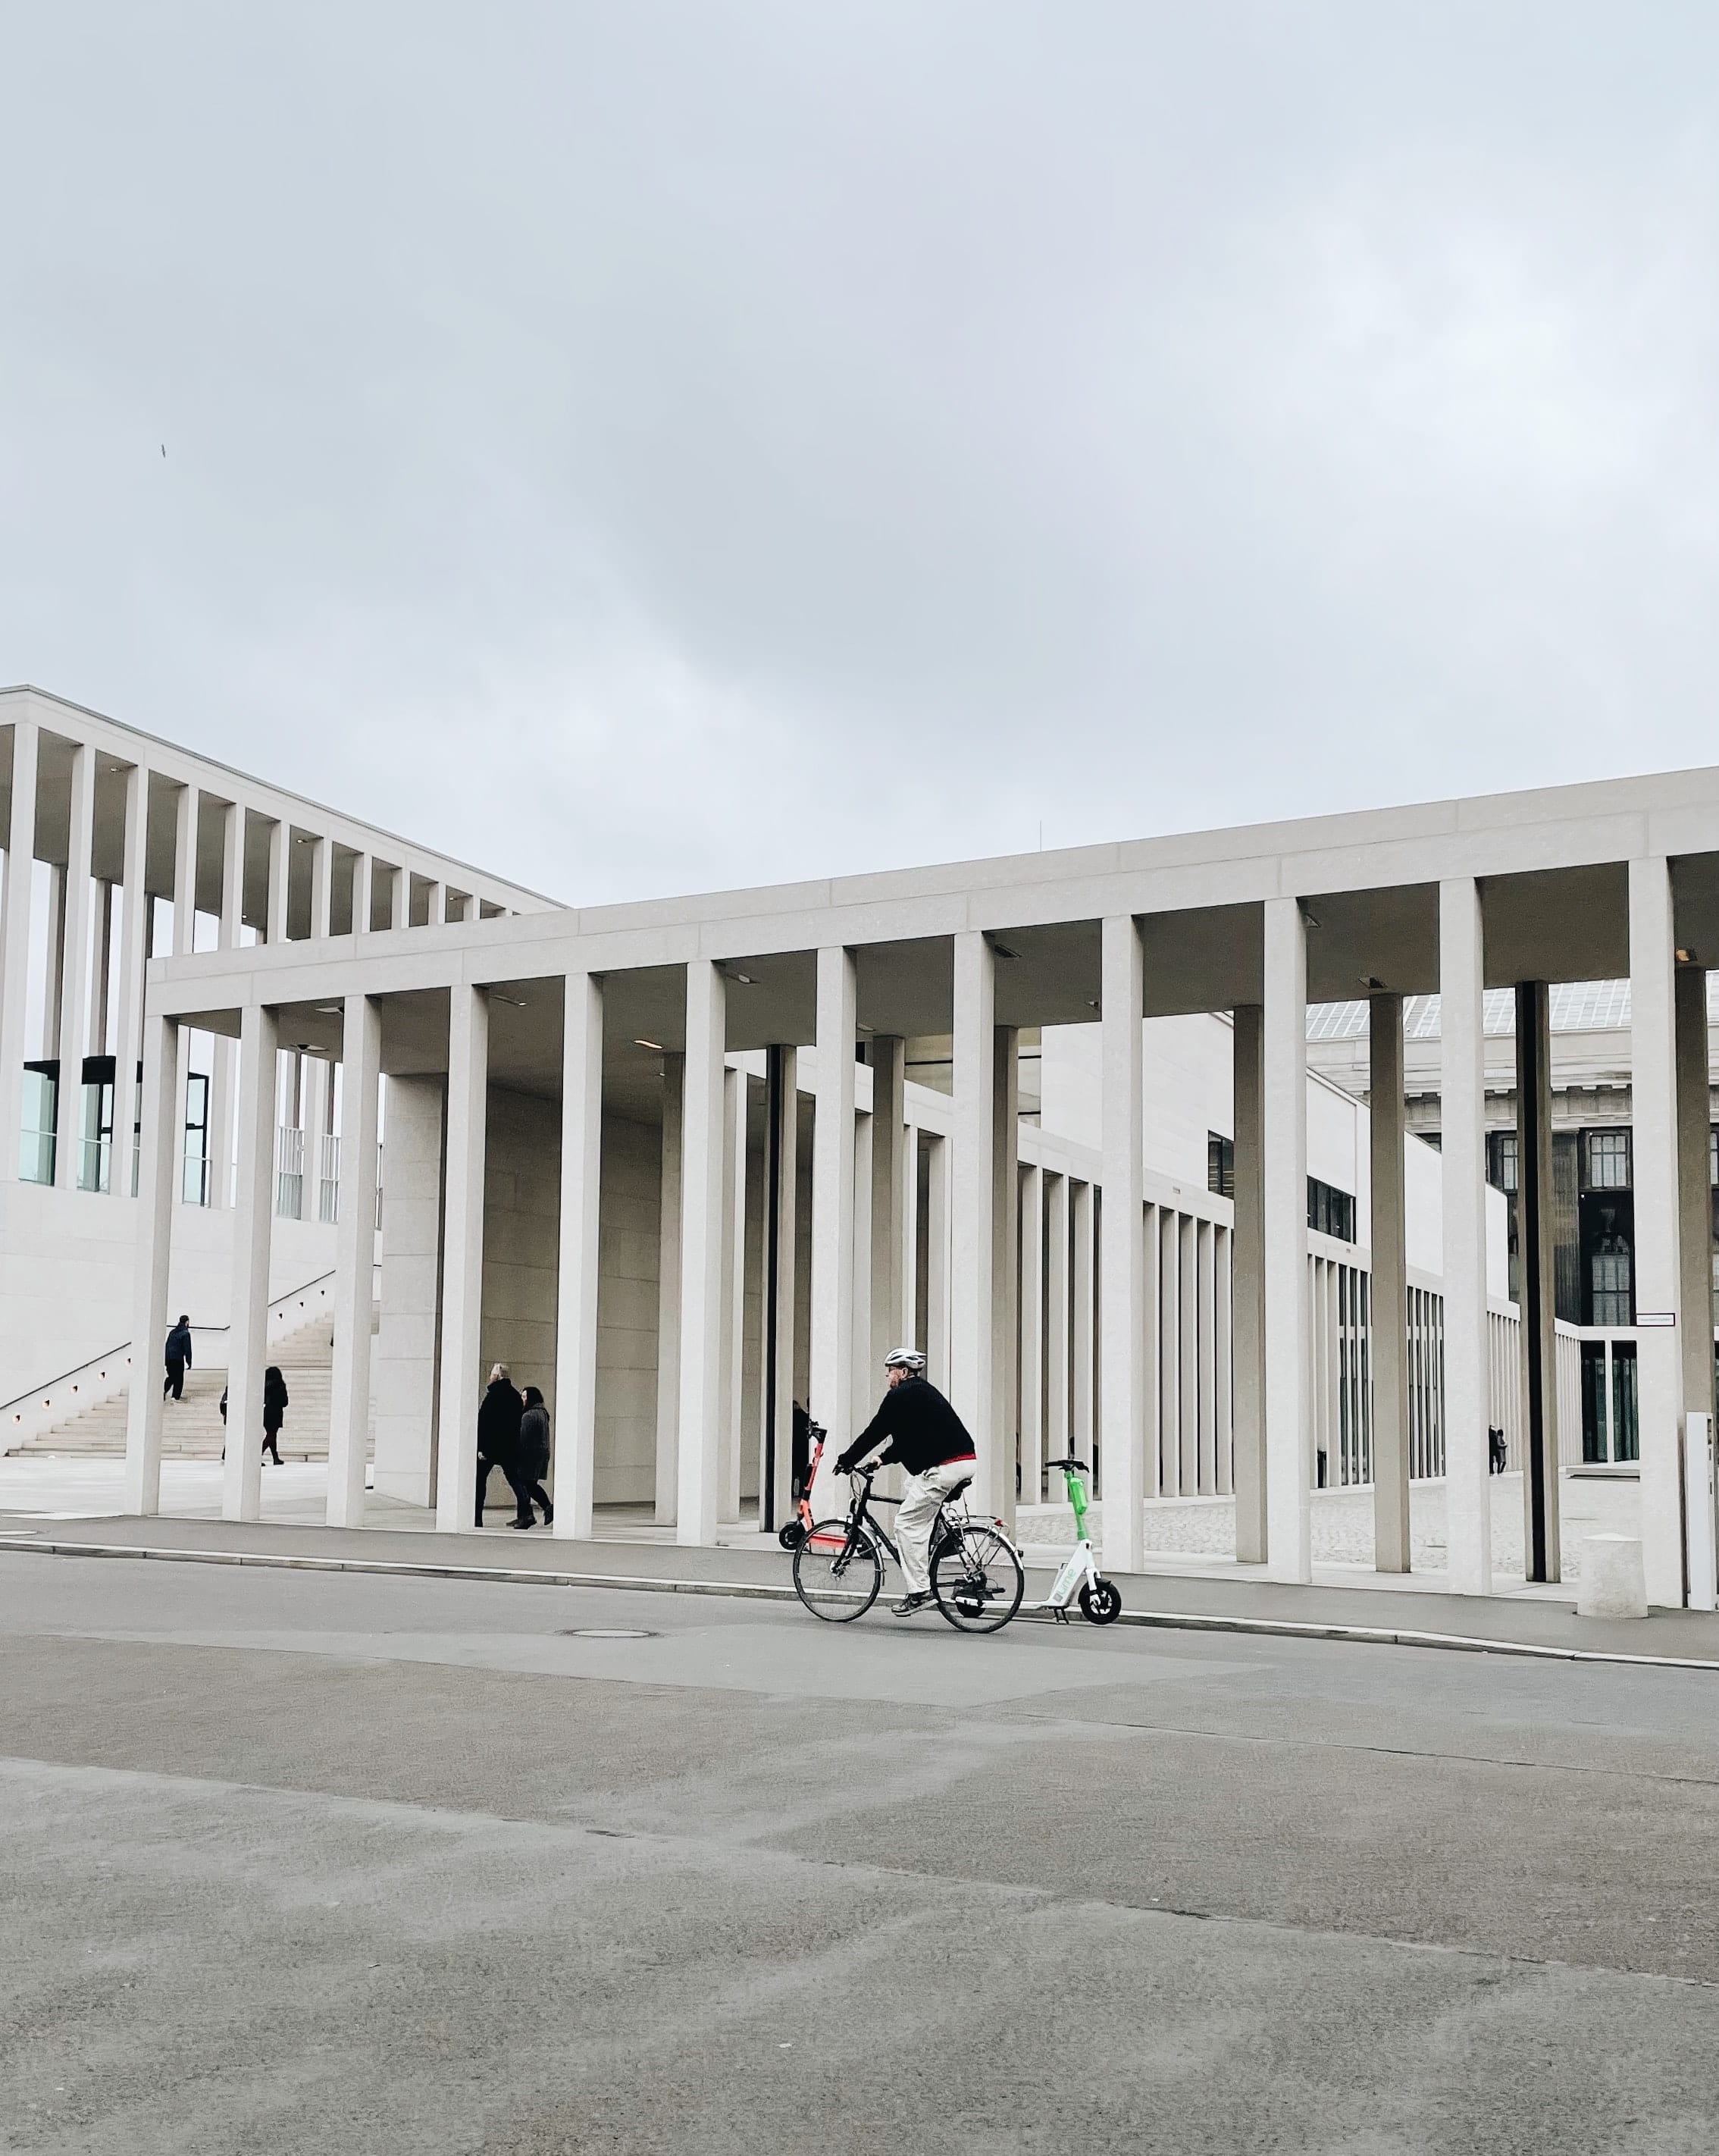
(297, 1862)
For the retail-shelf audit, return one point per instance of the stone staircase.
(192, 1427)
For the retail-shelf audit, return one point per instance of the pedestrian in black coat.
(499, 1417)
(178, 1360)
(534, 1451)
(275, 1407)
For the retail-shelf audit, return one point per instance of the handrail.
(107, 1354)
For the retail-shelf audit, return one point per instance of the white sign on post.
(1701, 1510)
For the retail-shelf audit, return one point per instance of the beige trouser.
(925, 1494)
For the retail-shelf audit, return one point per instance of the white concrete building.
(668, 1157)
(122, 849)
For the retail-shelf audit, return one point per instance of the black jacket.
(179, 1345)
(498, 1423)
(923, 1430)
(274, 1402)
(534, 1443)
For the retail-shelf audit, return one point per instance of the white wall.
(630, 1251)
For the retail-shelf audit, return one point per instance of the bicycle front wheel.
(977, 1578)
(837, 1571)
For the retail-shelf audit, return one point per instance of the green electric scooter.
(1080, 1580)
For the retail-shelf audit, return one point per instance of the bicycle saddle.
(965, 1483)
(1070, 1462)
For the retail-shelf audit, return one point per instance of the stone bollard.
(1612, 1583)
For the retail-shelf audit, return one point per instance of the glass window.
(1330, 1211)
(1625, 1445)
(1501, 1161)
(1606, 1161)
(197, 1138)
(41, 1111)
(1220, 1165)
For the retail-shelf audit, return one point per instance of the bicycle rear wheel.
(977, 1578)
(837, 1572)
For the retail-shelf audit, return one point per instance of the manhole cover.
(606, 1632)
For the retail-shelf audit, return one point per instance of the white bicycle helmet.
(906, 1358)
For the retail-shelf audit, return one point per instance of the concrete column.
(463, 1376)
(154, 1252)
(74, 969)
(1695, 1204)
(364, 873)
(1388, 1231)
(1658, 1284)
(321, 887)
(354, 1262)
(974, 1283)
(134, 945)
(1056, 1321)
(1536, 1244)
(702, 1326)
(1032, 1331)
(668, 1451)
(832, 1133)
(185, 812)
(733, 1293)
(887, 1199)
(1248, 1286)
(1289, 1461)
(400, 898)
(279, 864)
(15, 965)
(912, 1329)
(576, 1294)
(1005, 1263)
(936, 1261)
(1123, 1275)
(858, 1411)
(248, 1313)
(1083, 1344)
(1468, 1494)
(221, 1069)
(436, 902)
(782, 1267)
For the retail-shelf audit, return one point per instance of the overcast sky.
(668, 443)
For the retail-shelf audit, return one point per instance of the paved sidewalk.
(1407, 1616)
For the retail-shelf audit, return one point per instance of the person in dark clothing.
(275, 1407)
(534, 1453)
(178, 1359)
(927, 1438)
(499, 1418)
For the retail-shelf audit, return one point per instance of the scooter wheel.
(1101, 1603)
(791, 1533)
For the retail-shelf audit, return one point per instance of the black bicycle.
(976, 1570)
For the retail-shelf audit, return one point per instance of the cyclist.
(932, 1442)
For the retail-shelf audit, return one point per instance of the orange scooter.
(792, 1532)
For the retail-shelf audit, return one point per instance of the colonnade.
(995, 1371)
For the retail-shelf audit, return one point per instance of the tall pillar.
(134, 947)
(1387, 1233)
(1083, 1325)
(974, 1286)
(1032, 1332)
(321, 887)
(1468, 1493)
(1658, 1268)
(185, 815)
(220, 1136)
(400, 897)
(154, 1252)
(354, 1261)
(364, 874)
(1123, 1271)
(936, 1262)
(1248, 1287)
(248, 1313)
(832, 1133)
(435, 902)
(701, 1255)
(1005, 1237)
(1056, 1324)
(780, 1230)
(15, 965)
(1695, 1208)
(280, 866)
(74, 969)
(732, 1294)
(462, 1383)
(1537, 1244)
(667, 1488)
(576, 1293)
(889, 1135)
(1289, 1458)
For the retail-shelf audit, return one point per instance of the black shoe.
(908, 1604)
(528, 1521)
(549, 1516)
